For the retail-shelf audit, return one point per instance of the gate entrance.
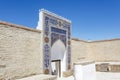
(56, 67)
(56, 38)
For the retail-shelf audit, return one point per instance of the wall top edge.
(106, 40)
(36, 30)
(105, 61)
(76, 39)
(55, 15)
(84, 62)
(19, 26)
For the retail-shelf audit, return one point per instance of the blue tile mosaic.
(53, 21)
(69, 54)
(53, 29)
(55, 37)
(46, 55)
(63, 39)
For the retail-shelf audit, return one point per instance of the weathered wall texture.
(20, 51)
(79, 50)
(107, 50)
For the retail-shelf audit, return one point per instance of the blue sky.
(91, 19)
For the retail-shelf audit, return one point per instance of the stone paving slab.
(67, 78)
(39, 77)
(107, 76)
(100, 76)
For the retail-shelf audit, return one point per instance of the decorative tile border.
(55, 28)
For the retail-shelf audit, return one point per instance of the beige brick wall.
(114, 68)
(108, 50)
(79, 50)
(20, 52)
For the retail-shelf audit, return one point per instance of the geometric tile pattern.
(55, 29)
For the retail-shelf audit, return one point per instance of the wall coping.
(106, 40)
(35, 30)
(76, 39)
(55, 15)
(84, 63)
(19, 26)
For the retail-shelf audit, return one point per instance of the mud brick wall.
(20, 51)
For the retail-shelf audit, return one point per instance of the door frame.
(59, 62)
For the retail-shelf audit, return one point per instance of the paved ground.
(68, 78)
(107, 76)
(39, 77)
(100, 76)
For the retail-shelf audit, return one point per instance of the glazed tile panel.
(55, 29)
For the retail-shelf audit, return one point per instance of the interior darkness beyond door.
(56, 67)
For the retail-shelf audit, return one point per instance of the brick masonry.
(106, 67)
(20, 52)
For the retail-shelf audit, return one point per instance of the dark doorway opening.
(56, 67)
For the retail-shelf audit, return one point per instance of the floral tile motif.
(63, 39)
(69, 42)
(69, 54)
(65, 25)
(46, 56)
(60, 23)
(46, 39)
(56, 36)
(53, 21)
(47, 25)
(69, 33)
(46, 49)
(55, 29)
(46, 30)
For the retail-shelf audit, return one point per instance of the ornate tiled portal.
(55, 28)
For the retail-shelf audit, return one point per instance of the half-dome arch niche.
(58, 50)
(58, 63)
(56, 36)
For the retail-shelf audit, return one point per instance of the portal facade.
(28, 52)
(56, 38)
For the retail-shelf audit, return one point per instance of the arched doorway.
(56, 41)
(58, 61)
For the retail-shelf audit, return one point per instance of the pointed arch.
(57, 50)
